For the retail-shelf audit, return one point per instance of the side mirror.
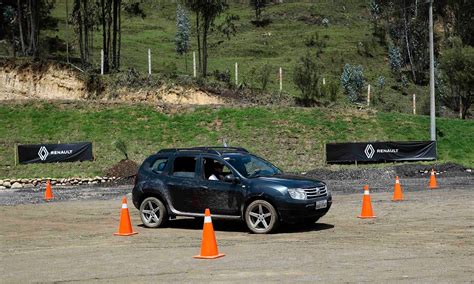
(231, 179)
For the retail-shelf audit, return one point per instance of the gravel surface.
(425, 239)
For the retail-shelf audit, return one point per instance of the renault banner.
(52, 153)
(380, 151)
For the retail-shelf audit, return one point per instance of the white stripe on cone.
(124, 205)
(366, 192)
(207, 219)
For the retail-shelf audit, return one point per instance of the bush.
(316, 42)
(134, 9)
(223, 76)
(352, 80)
(306, 78)
(395, 59)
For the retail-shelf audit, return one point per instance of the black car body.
(179, 182)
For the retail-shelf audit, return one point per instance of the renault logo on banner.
(369, 151)
(43, 153)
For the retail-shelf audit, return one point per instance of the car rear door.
(183, 184)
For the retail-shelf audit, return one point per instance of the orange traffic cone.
(397, 191)
(48, 194)
(209, 243)
(125, 226)
(366, 205)
(433, 183)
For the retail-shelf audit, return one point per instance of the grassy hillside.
(292, 138)
(280, 44)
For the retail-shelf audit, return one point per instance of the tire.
(261, 217)
(155, 219)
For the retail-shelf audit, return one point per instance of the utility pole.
(432, 79)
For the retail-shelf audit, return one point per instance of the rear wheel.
(153, 213)
(261, 217)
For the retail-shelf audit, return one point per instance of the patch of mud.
(123, 169)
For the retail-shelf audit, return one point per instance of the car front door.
(222, 198)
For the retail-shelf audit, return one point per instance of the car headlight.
(297, 193)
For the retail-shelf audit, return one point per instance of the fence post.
(281, 79)
(101, 62)
(236, 73)
(368, 96)
(149, 61)
(460, 107)
(15, 149)
(194, 64)
(414, 104)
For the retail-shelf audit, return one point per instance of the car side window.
(214, 170)
(184, 167)
(159, 165)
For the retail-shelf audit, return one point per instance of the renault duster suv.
(231, 182)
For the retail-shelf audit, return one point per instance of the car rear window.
(184, 167)
(159, 165)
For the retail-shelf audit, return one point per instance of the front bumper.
(299, 210)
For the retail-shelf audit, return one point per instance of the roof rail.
(209, 149)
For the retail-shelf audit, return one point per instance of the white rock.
(17, 185)
(468, 170)
(7, 184)
(2, 187)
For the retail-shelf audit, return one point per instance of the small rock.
(102, 180)
(95, 182)
(7, 184)
(1, 182)
(16, 185)
(24, 180)
(468, 170)
(2, 187)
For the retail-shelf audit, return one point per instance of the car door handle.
(203, 187)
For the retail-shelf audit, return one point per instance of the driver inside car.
(217, 169)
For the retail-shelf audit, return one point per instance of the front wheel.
(261, 217)
(153, 213)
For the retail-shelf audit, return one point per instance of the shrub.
(395, 59)
(223, 76)
(352, 80)
(316, 42)
(121, 147)
(306, 77)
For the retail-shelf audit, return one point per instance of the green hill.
(347, 38)
(292, 138)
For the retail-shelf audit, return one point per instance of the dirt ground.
(427, 238)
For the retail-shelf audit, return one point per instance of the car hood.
(290, 181)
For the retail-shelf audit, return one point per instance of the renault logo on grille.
(369, 151)
(43, 153)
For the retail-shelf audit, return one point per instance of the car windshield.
(251, 166)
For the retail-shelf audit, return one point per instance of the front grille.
(315, 192)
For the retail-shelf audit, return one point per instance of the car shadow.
(239, 226)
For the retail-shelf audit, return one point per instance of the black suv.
(231, 182)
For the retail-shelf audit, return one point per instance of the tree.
(22, 21)
(306, 77)
(111, 32)
(457, 65)
(183, 30)
(352, 80)
(395, 60)
(258, 6)
(206, 12)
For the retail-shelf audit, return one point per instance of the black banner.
(380, 151)
(52, 153)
